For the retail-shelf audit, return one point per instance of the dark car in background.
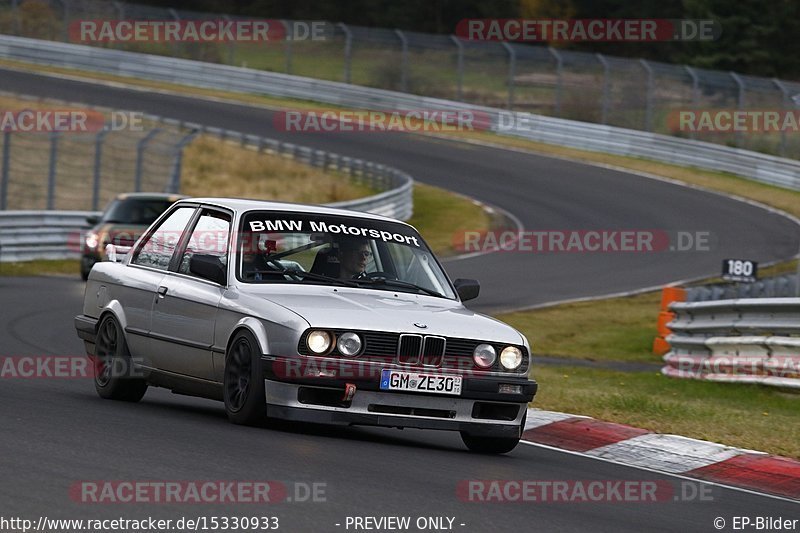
(123, 221)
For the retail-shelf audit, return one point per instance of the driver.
(254, 262)
(354, 254)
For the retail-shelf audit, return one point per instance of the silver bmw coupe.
(303, 313)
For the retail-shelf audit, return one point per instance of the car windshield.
(135, 211)
(324, 249)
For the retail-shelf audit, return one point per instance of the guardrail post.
(459, 67)
(51, 173)
(784, 107)
(174, 185)
(512, 73)
(231, 44)
(348, 50)
(65, 3)
(5, 170)
(120, 7)
(606, 87)
(140, 148)
(559, 78)
(739, 103)
(695, 93)
(15, 22)
(287, 47)
(98, 160)
(176, 47)
(648, 110)
(403, 61)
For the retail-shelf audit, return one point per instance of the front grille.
(433, 351)
(416, 350)
(409, 349)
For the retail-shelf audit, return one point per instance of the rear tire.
(113, 366)
(243, 382)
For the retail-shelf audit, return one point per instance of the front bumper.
(480, 410)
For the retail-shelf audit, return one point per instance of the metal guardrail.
(751, 340)
(784, 286)
(606, 139)
(27, 235)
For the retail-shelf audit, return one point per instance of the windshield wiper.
(399, 283)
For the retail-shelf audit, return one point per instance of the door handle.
(162, 291)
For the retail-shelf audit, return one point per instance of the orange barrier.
(665, 316)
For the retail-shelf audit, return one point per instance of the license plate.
(417, 382)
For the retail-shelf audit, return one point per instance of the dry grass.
(440, 216)
(213, 168)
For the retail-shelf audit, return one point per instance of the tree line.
(758, 37)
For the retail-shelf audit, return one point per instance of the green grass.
(40, 267)
(746, 416)
(618, 329)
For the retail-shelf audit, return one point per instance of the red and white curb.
(671, 454)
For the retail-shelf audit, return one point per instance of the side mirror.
(467, 289)
(92, 220)
(208, 267)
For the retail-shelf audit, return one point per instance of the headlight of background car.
(511, 357)
(319, 342)
(484, 355)
(92, 240)
(349, 344)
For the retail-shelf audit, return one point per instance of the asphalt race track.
(57, 432)
(543, 193)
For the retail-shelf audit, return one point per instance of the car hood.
(376, 310)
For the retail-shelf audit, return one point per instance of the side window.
(210, 237)
(157, 250)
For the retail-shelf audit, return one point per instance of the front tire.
(489, 445)
(493, 445)
(113, 365)
(243, 382)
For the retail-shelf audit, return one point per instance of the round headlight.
(484, 355)
(349, 344)
(511, 357)
(319, 342)
(92, 240)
